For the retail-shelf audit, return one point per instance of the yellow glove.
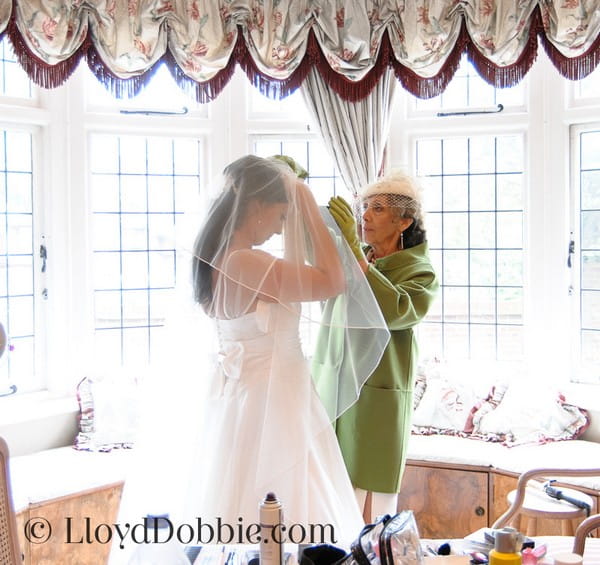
(341, 212)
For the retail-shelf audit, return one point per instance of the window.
(468, 91)
(14, 82)
(160, 97)
(141, 186)
(323, 179)
(475, 232)
(17, 268)
(587, 276)
(587, 90)
(105, 186)
(308, 151)
(20, 304)
(294, 139)
(474, 195)
(584, 246)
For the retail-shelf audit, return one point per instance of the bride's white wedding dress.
(266, 430)
(209, 457)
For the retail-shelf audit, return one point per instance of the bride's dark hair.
(246, 179)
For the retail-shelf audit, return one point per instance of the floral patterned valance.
(276, 42)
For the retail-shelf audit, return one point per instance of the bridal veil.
(263, 247)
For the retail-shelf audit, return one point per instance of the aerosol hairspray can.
(271, 531)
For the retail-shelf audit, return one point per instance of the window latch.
(493, 110)
(571, 253)
(11, 389)
(43, 256)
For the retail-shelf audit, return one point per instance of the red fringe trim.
(429, 87)
(572, 68)
(349, 90)
(41, 73)
(510, 75)
(52, 76)
(203, 92)
(117, 86)
(267, 85)
(353, 91)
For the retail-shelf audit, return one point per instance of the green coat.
(373, 433)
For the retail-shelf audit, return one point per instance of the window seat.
(457, 485)
(475, 430)
(67, 489)
(63, 471)
(452, 450)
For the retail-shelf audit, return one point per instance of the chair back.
(10, 553)
(588, 525)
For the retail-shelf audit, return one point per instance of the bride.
(261, 426)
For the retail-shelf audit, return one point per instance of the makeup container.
(507, 543)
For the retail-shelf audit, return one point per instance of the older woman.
(373, 433)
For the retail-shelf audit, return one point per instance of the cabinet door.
(22, 521)
(447, 503)
(501, 485)
(78, 528)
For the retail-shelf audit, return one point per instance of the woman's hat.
(400, 190)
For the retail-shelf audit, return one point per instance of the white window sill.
(34, 406)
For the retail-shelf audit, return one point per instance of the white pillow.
(109, 412)
(529, 413)
(444, 405)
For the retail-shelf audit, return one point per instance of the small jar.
(506, 548)
(568, 559)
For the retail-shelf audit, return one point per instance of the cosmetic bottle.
(507, 543)
(271, 531)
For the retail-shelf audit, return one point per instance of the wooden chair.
(583, 530)
(10, 552)
(561, 509)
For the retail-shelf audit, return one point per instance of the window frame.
(461, 132)
(547, 219)
(61, 119)
(581, 371)
(39, 223)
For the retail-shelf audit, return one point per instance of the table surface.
(447, 560)
(555, 545)
(460, 548)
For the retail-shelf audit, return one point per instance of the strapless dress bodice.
(265, 336)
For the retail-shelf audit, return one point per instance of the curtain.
(354, 133)
(349, 43)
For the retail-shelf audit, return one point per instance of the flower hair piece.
(299, 170)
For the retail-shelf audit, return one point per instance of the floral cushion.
(508, 412)
(108, 413)
(531, 415)
(445, 405)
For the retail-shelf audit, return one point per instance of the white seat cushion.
(568, 454)
(63, 471)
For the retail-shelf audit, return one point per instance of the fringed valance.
(350, 43)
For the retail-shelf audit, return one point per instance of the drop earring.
(401, 240)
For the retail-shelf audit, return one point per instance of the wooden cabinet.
(78, 527)
(452, 501)
(500, 485)
(447, 502)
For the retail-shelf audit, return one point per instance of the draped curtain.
(354, 133)
(350, 44)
